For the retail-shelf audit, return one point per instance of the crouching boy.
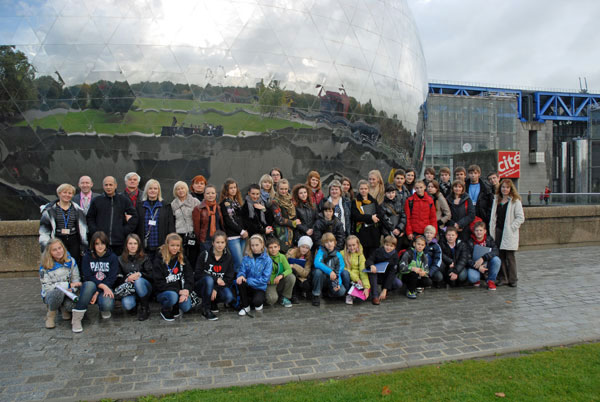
(281, 284)
(487, 263)
(414, 269)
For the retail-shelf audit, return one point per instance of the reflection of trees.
(270, 98)
(16, 81)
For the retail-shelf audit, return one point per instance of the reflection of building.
(549, 129)
(334, 102)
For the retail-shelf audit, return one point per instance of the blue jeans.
(142, 288)
(205, 286)
(87, 292)
(493, 266)
(236, 248)
(169, 298)
(321, 279)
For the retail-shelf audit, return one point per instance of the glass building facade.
(172, 89)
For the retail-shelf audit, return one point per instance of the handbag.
(189, 239)
(124, 289)
(194, 299)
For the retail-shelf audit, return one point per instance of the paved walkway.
(557, 302)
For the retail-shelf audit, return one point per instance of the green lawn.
(561, 374)
(152, 122)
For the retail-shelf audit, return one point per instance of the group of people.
(276, 244)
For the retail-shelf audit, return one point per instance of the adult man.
(132, 182)
(85, 196)
(113, 214)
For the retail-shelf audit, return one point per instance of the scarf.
(481, 242)
(265, 196)
(252, 212)
(133, 196)
(285, 202)
(330, 259)
(360, 202)
(211, 207)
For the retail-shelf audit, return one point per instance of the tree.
(120, 98)
(16, 82)
(271, 98)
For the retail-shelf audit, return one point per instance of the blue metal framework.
(563, 106)
(462, 90)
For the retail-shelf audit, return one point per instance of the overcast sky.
(532, 43)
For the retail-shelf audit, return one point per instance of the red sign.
(509, 164)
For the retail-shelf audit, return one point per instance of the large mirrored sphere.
(222, 88)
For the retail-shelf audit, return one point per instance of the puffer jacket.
(420, 212)
(460, 257)
(60, 274)
(463, 214)
(308, 216)
(130, 265)
(257, 271)
(391, 213)
(48, 224)
(409, 256)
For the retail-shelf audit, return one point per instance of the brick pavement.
(556, 303)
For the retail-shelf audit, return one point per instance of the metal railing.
(560, 199)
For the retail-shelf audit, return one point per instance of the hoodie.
(100, 270)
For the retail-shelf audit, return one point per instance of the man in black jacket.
(113, 214)
(455, 257)
(480, 193)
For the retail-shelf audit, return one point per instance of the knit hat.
(305, 241)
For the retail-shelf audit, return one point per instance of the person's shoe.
(175, 311)
(349, 299)
(285, 302)
(210, 316)
(66, 315)
(244, 310)
(376, 301)
(420, 290)
(491, 285)
(214, 307)
(500, 282)
(77, 316)
(316, 301)
(50, 319)
(295, 299)
(167, 314)
(258, 308)
(513, 284)
(105, 315)
(143, 313)
(411, 295)
(133, 311)
(477, 284)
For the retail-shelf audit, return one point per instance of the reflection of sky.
(369, 47)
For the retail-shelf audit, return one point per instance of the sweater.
(208, 265)
(257, 271)
(100, 270)
(60, 274)
(172, 276)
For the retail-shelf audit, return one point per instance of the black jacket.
(131, 265)
(380, 255)
(207, 265)
(166, 221)
(232, 217)
(181, 277)
(308, 216)
(489, 242)
(483, 204)
(366, 230)
(391, 213)
(334, 226)
(460, 256)
(346, 205)
(255, 225)
(463, 214)
(108, 215)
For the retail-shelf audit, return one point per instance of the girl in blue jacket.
(254, 274)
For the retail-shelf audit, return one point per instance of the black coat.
(107, 214)
(392, 215)
(346, 205)
(308, 216)
(254, 225)
(334, 226)
(232, 217)
(130, 265)
(460, 257)
(463, 214)
(367, 231)
(489, 242)
(483, 204)
(166, 221)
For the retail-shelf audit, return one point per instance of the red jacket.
(420, 212)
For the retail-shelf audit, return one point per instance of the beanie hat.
(305, 241)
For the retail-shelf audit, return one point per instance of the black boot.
(144, 309)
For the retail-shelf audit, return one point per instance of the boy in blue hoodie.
(329, 270)
(433, 252)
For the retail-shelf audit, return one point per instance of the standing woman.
(284, 214)
(313, 181)
(364, 215)
(207, 218)
(462, 210)
(155, 219)
(182, 205)
(267, 193)
(276, 175)
(231, 209)
(506, 219)
(136, 268)
(100, 267)
(197, 187)
(441, 205)
(376, 186)
(173, 277)
(341, 205)
(305, 211)
(411, 177)
(347, 191)
(64, 220)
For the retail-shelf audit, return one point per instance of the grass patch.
(91, 120)
(561, 374)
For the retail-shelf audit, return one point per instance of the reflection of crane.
(334, 102)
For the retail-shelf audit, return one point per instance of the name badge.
(151, 223)
(65, 231)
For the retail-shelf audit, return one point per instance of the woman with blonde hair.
(376, 186)
(155, 219)
(505, 220)
(267, 188)
(182, 206)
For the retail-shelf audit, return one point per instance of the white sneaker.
(244, 311)
(105, 314)
(258, 308)
(349, 299)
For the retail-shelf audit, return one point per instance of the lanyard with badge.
(66, 230)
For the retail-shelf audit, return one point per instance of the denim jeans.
(142, 288)
(493, 266)
(87, 292)
(169, 298)
(236, 248)
(204, 287)
(321, 279)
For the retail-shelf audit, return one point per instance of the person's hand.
(451, 266)
(240, 280)
(411, 236)
(332, 276)
(94, 297)
(309, 232)
(298, 222)
(127, 217)
(107, 291)
(259, 206)
(415, 270)
(220, 282)
(244, 234)
(453, 276)
(373, 269)
(478, 263)
(75, 285)
(482, 269)
(383, 294)
(396, 232)
(269, 230)
(456, 226)
(367, 291)
(277, 279)
(213, 295)
(360, 282)
(423, 273)
(375, 218)
(336, 288)
(183, 295)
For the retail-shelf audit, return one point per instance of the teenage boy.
(480, 193)
(402, 192)
(414, 269)
(455, 257)
(429, 175)
(328, 222)
(445, 183)
(494, 181)
(420, 211)
(281, 284)
(460, 174)
(384, 254)
(329, 270)
(434, 257)
(489, 263)
(391, 213)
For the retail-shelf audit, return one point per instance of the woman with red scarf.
(207, 218)
(313, 181)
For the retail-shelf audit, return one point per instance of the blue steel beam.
(553, 105)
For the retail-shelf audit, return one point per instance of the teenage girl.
(136, 268)
(254, 275)
(355, 263)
